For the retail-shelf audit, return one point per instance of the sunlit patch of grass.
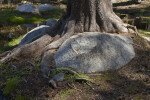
(145, 32)
(23, 20)
(11, 84)
(11, 16)
(84, 76)
(64, 94)
(10, 44)
(15, 41)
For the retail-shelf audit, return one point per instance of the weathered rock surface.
(28, 8)
(51, 22)
(59, 77)
(94, 52)
(46, 7)
(34, 34)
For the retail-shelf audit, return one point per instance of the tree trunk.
(90, 16)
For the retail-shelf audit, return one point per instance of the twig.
(14, 67)
(4, 54)
(69, 71)
(90, 86)
(31, 63)
(85, 80)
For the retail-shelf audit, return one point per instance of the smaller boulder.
(28, 8)
(34, 34)
(51, 22)
(52, 84)
(46, 7)
(59, 77)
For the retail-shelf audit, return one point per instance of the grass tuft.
(11, 84)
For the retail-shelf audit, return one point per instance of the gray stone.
(51, 22)
(94, 52)
(34, 34)
(59, 77)
(53, 84)
(28, 8)
(46, 7)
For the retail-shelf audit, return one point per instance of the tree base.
(81, 16)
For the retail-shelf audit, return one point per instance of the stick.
(85, 80)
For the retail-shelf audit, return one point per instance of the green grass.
(11, 84)
(11, 16)
(145, 32)
(10, 44)
(15, 41)
(20, 97)
(1, 65)
(64, 94)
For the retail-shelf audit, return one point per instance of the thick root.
(27, 50)
(47, 62)
(133, 28)
(47, 54)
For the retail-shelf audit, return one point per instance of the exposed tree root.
(69, 71)
(85, 80)
(133, 28)
(27, 50)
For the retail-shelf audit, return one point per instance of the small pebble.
(59, 77)
(53, 84)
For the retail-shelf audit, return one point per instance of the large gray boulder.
(28, 8)
(34, 34)
(94, 52)
(51, 22)
(46, 7)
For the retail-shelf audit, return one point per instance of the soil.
(132, 82)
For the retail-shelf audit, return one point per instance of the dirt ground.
(132, 82)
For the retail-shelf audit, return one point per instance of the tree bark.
(86, 16)
(89, 16)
